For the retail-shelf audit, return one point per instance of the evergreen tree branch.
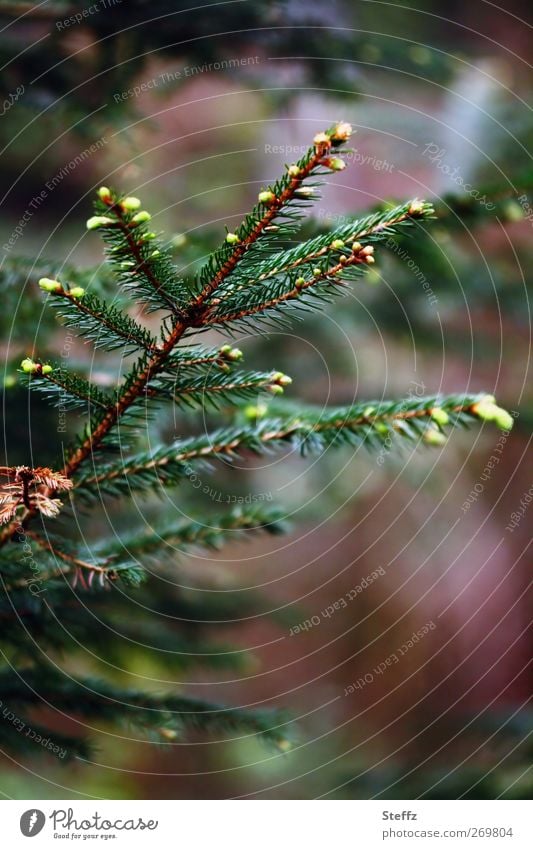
(210, 534)
(315, 430)
(65, 389)
(118, 227)
(106, 326)
(269, 299)
(171, 714)
(217, 389)
(373, 229)
(272, 203)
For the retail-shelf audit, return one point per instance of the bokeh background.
(195, 110)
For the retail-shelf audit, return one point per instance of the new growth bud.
(28, 366)
(232, 239)
(337, 244)
(341, 133)
(432, 436)
(141, 217)
(48, 285)
(293, 170)
(77, 292)
(487, 410)
(416, 207)
(46, 369)
(104, 194)
(230, 353)
(334, 164)
(97, 221)
(281, 379)
(266, 197)
(255, 411)
(440, 416)
(130, 204)
(321, 139)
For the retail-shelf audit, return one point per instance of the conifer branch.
(339, 242)
(65, 389)
(106, 326)
(168, 716)
(369, 423)
(272, 202)
(210, 534)
(332, 276)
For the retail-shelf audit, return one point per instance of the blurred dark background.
(195, 111)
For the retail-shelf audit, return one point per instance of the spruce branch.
(307, 429)
(107, 327)
(65, 389)
(124, 230)
(278, 202)
(166, 716)
(373, 229)
(202, 535)
(212, 391)
(326, 278)
(142, 263)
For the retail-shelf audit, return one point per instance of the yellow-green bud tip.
(46, 369)
(266, 197)
(282, 379)
(416, 207)
(232, 239)
(336, 164)
(48, 285)
(28, 366)
(284, 745)
(130, 204)
(77, 292)
(434, 437)
(141, 217)
(337, 244)
(342, 132)
(104, 194)
(487, 410)
(440, 416)
(255, 411)
(97, 221)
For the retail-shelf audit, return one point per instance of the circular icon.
(32, 822)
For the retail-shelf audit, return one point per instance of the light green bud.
(141, 217)
(48, 285)
(98, 221)
(130, 204)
